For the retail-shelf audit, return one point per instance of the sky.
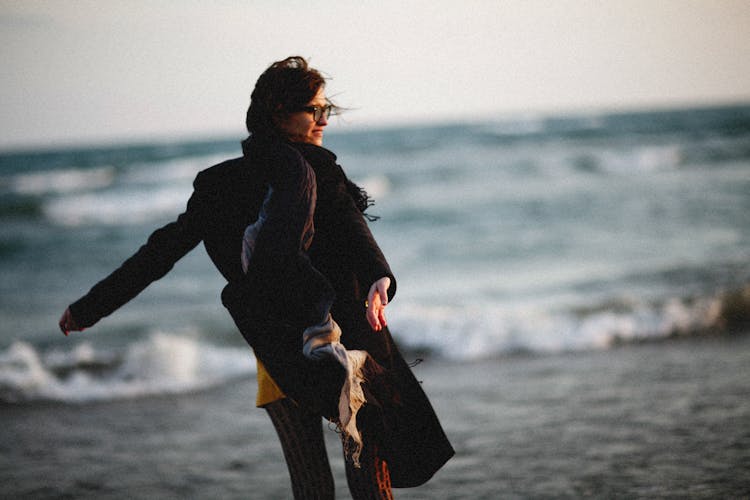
(85, 72)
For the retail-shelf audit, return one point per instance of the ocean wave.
(61, 181)
(183, 169)
(165, 363)
(642, 159)
(160, 364)
(118, 208)
(516, 126)
(477, 332)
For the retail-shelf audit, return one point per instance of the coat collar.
(255, 145)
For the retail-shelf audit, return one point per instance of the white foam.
(467, 333)
(642, 159)
(62, 181)
(161, 364)
(81, 354)
(118, 208)
(476, 332)
(182, 169)
(22, 374)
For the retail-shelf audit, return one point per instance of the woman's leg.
(301, 436)
(371, 480)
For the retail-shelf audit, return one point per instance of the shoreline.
(659, 420)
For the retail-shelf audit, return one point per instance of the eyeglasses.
(318, 111)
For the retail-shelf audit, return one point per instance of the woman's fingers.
(376, 312)
(67, 323)
(377, 299)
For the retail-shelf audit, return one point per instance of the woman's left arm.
(367, 260)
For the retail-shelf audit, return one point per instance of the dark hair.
(283, 88)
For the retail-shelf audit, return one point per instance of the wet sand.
(660, 420)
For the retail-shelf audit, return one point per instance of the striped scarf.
(321, 342)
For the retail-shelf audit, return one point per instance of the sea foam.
(160, 364)
(62, 181)
(479, 332)
(117, 208)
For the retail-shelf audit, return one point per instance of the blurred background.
(552, 179)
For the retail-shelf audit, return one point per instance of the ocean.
(528, 238)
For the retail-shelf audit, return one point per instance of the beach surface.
(668, 419)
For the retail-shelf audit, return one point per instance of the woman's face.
(300, 126)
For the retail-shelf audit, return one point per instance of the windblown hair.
(362, 200)
(283, 88)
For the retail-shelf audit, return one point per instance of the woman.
(285, 227)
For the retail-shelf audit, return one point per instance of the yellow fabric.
(268, 391)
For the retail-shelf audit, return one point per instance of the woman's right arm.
(152, 261)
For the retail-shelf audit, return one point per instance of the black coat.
(226, 198)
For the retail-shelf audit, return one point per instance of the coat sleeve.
(363, 252)
(151, 262)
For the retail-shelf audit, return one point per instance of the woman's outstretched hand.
(68, 324)
(377, 299)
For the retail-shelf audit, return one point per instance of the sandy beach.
(667, 419)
